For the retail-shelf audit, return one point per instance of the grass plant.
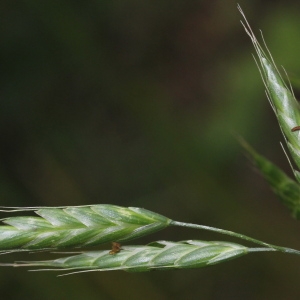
(82, 226)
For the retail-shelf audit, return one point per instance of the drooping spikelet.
(80, 226)
(161, 255)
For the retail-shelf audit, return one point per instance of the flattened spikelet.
(81, 226)
(281, 97)
(159, 255)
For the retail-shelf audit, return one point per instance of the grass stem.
(237, 235)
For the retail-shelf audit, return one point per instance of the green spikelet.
(281, 97)
(81, 226)
(287, 111)
(161, 255)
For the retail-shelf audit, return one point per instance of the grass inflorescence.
(92, 225)
(81, 226)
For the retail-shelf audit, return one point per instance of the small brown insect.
(295, 128)
(115, 248)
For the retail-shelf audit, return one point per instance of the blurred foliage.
(286, 188)
(134, 103)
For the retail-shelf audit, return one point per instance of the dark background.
(136, 103)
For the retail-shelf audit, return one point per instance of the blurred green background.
(136, 103)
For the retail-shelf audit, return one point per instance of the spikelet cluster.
(82, 226)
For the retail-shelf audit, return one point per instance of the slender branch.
(261, 249)
(237, 235)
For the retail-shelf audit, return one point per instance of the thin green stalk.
(237, 235)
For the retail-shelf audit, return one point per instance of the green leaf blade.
(282, 185)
